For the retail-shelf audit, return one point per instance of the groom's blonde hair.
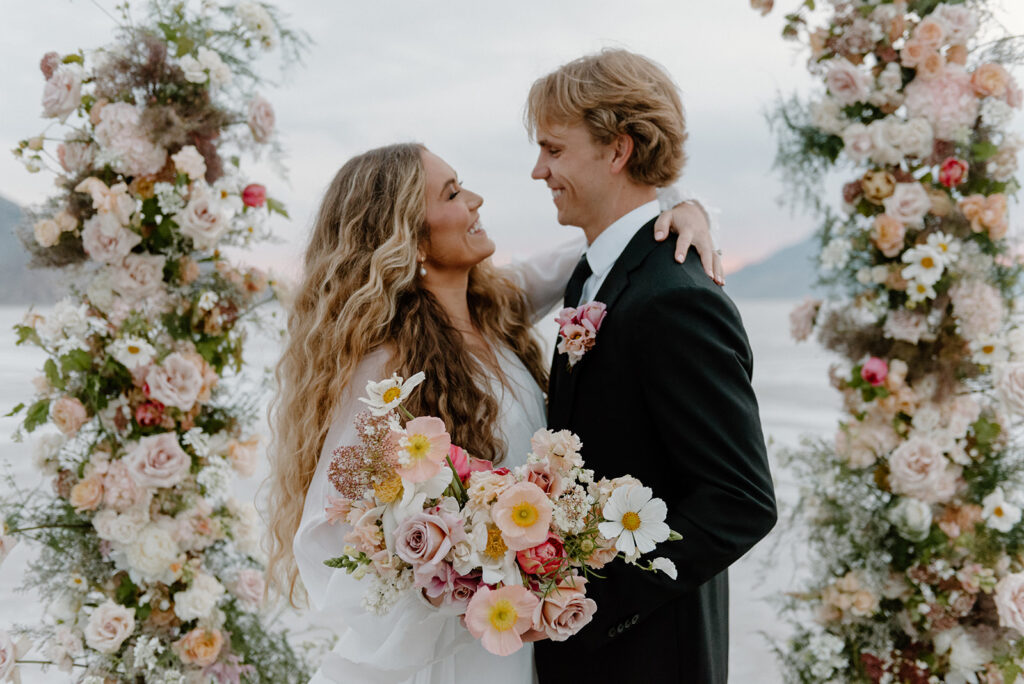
(614, 92)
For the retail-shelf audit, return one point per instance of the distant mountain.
(18, 283)
(787, 274)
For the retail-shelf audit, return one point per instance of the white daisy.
(386, 395)
(946, 246)
(999, 513)
(989, 350)
(666, 566)
(919, 292)
(634, 520)
(132, 352)
(926, 264)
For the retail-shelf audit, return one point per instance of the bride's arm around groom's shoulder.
(370, 648)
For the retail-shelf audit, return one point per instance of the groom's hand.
(690, 223)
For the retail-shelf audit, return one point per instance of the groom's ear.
(622, 150)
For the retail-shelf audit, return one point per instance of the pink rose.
(119, 489)
(175, 382)
(109, 625)
(68, 415)
(63, 92)
(953, 172)
(542, 475)
(463, 589)
(565, 610)
(159, 461)
(204, 219)
(1010, 601)
(249, 586)
(261, 119)
(848, 84)
(254, 195)
(874, 371)
(917, 468)
(107, 243)
(544, 558)
(591, 315)
(149, 413)
(49, 63)
(424, 539)
(140, 276)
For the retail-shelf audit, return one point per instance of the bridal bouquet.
(511, 549)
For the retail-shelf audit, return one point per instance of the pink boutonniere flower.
(577, 329)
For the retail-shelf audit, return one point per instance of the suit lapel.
(562, 387)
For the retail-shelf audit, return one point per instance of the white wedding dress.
(416, 643)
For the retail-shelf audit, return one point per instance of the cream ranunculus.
(109, 625)
(47, 232)
(917, 468)
(121, 528)
(159, 461)
(175, 382)
(200, 599)
(63, 92)
(153, 555)
(204, 218)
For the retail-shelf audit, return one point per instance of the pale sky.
(454, 75)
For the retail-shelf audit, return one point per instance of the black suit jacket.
(665, 395)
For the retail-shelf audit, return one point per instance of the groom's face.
(576, 169)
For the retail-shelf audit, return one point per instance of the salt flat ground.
(795, 398)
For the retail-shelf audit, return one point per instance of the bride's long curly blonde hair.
(359, 291)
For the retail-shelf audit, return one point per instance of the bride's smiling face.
(456, 239)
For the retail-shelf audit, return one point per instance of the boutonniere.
(577, 329)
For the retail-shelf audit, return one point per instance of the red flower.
(953, 172)
(149, 413)
(544, 558)
(875, 371)
(254, 195)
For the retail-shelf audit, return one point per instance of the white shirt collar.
(606, 249)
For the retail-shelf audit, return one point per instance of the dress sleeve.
(543, 276)
(374, 649)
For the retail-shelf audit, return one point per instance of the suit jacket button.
(620, 628)
(636, 619)
(611, 632)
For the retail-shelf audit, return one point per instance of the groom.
(664, 394)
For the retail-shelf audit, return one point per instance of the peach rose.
(990, 80)
(244, 455)
(913, 52)
(541, 474)
(888, 235)
(87, 494)
(199, 647)
(931, 66)
(957, 54)
(930, 32)
(68, 414)
(565, 610)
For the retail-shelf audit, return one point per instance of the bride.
(397, 279)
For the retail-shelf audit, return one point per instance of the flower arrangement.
(913, 513)
(512, 550)
(149, 568)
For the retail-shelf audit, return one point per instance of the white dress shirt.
(606, 249)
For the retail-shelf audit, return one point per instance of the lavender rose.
(565, 610)
(424, 539)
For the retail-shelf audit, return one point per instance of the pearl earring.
(423, 270)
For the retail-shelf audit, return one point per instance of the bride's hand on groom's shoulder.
(690, 224)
